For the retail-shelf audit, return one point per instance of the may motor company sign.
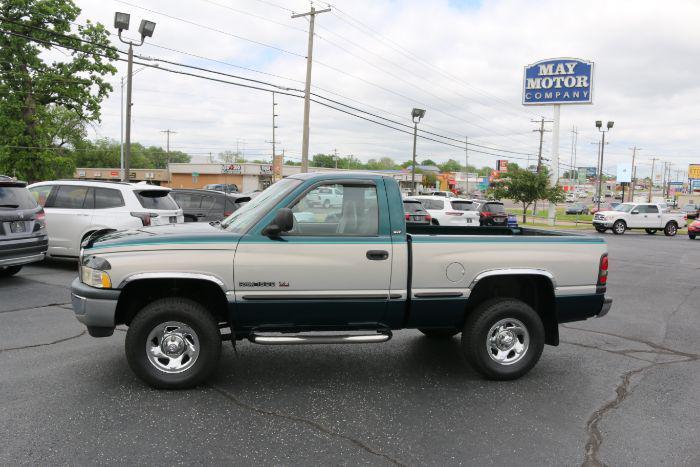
(558, 81)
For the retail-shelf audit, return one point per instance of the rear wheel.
(9, 271)
(650, 231)
(671, 229)
(173, 343)
(503, 338)
(619, 227)
(440, 333)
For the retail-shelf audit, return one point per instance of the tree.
(428, 162)
(323, 160)
(526, 187)
(105, 153)
(231, 157)
(34, 88)
(451, 166)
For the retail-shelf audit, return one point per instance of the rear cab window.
(464, 206)
(412, 206)
(496, 208)
(156, 199)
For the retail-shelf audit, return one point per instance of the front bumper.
(95, 308)
(602, 223)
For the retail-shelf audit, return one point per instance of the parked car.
(450, 211)
(225, 187)
(570, 197)
(443, 194)
(694, 229)
(207, 205)
(577, 208)
(23, 237)
(76, 208)
(492, 213)
(691, 210)
(672, 202)
(262, 276)
(415, 212)
(325, 197)
(647, 216)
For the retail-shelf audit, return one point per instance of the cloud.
(461, 60)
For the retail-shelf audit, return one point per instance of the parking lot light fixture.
(599, 125)
(121, 21)
(146, 28)
(417, 115)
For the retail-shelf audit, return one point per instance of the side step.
(381, 336)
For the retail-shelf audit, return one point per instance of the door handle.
(199, 214)
(377, 255)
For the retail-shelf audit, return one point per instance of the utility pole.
(335, 157)
(634, 173)
(572, 159)
(466, 162)
(307, 88)
(651, 181)
(274, 127)
(541, 131)
(168, 132)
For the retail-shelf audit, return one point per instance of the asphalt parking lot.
(620, 390)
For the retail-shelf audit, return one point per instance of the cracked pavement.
(620, 390)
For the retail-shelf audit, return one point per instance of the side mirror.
(635, 212)
(283, 222)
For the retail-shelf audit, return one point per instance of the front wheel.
(10, 271)
(691, 236)
(173, 343)
(503, 338)
(439, 333)
(619, 227)
(600, 229)
(671, 229)
(650, 231)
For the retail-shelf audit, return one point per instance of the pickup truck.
(278, 271)
(651, 217)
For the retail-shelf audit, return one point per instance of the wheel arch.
(533, 286)
(141, 289)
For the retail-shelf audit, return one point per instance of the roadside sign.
(558, 81)
(624, 173)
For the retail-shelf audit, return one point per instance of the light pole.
(599, 125)
(146, 28)
(417, 115)
(121, 120)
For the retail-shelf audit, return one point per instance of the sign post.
(554, 82)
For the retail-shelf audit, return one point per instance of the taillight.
(144, 216)
(408, 216)
(40, 219)
(227, 213)
(603, 271)
(486, 214)
(454, 213)
(428, 218)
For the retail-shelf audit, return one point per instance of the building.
(155, 176)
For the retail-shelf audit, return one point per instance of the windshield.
(464, 206)
(245, 217)
(624, 207)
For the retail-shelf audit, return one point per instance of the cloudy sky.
(461, 60)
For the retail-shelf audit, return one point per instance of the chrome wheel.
(507, 341)
(172, 347)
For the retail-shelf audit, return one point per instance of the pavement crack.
(45, 343)
(305, 421)
(59, 305)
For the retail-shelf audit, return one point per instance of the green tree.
(105, 153)
(231, 157)
(525, 187)
(323, 160)
(428, 162)
(451, 166)
(34, 87)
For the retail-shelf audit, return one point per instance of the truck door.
(648, 217)
(333, 268)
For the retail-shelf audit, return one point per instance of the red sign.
(114, 173)
(502, 165)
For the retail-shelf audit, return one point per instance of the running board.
(321, 339)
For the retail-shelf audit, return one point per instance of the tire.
(601, 229)
(186, 320)
(10, 271)
(650, 231)
(326, 203)
(506, 314)
(671, 229)
(444, 333)
(691, 236)
(619, 227)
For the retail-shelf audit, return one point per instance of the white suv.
(76, 208)
(450, 211)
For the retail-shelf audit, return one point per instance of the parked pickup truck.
(651, 217)
(280, 272)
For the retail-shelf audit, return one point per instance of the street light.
(146, 28)
(417, 115)
(599, 125)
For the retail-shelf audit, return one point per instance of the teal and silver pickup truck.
(283, 270)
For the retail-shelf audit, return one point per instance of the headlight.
(93, 272)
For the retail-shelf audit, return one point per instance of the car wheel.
(691, 236)
(173, 343)
(9, 271)
(503, 338)
(619, 227)
(650, 231)
(671, 229)
(601, 229)
(327, 203)
(441, 333)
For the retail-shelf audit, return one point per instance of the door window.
(188, 200)
(108, 198)
(70, 197)
(41, 193)
(208, 202)
(355, 213)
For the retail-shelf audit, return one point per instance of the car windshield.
(245, 217)
(495, 208)
(624, 207)
(15, 197)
